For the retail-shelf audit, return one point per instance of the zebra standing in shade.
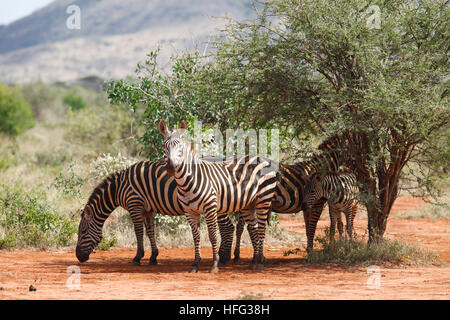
(340, 189)
(291, 181)
(245, 184)
(143, 189)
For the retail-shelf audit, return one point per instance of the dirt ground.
(110, 275)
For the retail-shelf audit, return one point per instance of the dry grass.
(359, 252)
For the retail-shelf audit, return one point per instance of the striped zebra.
(244, 183)
(142, 189)
(291, 181)
(339, 189)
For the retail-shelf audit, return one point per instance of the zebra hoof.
(136, 263)
(259, 266)
(236, 259)
(152, 262)
(222, 264)
(251, 266)
(214, 270)
(193, 270)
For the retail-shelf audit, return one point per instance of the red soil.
(110, 275)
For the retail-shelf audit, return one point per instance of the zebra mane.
(102, 185)
(330, 143)
(107, 180)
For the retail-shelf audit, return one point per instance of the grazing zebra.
(339, 189)
(143, 189)
(291, 180)
(244, 183)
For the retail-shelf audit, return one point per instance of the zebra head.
(174, 147)
(88, 235)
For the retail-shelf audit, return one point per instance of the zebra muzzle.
(82, 255)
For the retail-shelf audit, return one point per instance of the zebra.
(142, 189)
(339, 189)
(291, 181)
(244, 183)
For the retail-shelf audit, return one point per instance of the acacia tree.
(373, 75)
(187, 91)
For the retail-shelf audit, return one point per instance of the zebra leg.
(194, 222)
(239, 229)
(252, 228)
(226, 229)
(139, 231)
(211, 222)
(333, 216)
(314, 216)
(261, 215)
(350, 212)
(340, 224)
(150, 227)
(306, 217)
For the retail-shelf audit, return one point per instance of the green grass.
(27, 220)
(108, 241)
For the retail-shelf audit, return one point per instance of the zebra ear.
(87, 213)
(162, 127)
(182, 128)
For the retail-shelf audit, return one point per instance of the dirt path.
(110, 275)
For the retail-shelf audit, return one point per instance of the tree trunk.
(378, 211)
(375, 228)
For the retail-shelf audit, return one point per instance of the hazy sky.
(11, 10)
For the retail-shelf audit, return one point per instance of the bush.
(74, 101)
(15, 113)
(360, 252)
(42, 97)
(52, 159)
(27, 220)
(6, 161)
(106, 164)
(70, 185)
(107, 242)
(173, 224)
(102, 129)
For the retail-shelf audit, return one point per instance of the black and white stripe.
(143, 189)
(339, 189)
(214, 189)
(291, 181)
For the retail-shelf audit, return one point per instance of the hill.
(113, 36)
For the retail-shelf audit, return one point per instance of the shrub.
(42, 97)
(53, 158)
(28, 220)
(173, 224)
(106, 164)
(74, 101)
(360, 252)
(108, 241)
(70, 184)
(15, 113)
(6, 161)
(102, 129)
